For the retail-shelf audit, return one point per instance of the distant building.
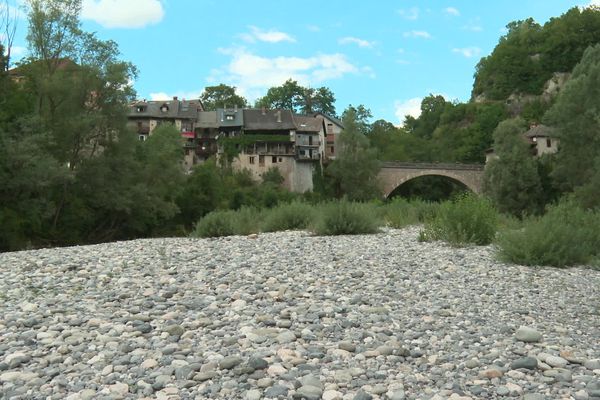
(543, 139)
(259, 139)
(145, 116)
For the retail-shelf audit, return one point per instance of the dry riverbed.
(289, 315)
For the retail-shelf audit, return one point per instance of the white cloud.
(123, 14)
(418, 34)
(452, 11)
(163, 96)
(411, 13)
(357, 41)
(594, 3)
(253, 74)
(313, 28)
(410, 107)
(270, 36)
(468, 52)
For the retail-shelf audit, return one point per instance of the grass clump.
(228, 223)
(291, 216)
(399, 212)
(566, 235)
(469, 219)
(347, 218)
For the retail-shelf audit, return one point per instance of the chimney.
(278, 113)
(175, 98)
(235, 107)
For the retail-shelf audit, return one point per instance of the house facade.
(251, 139)
(145, 116)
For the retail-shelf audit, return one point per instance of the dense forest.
(71, 172)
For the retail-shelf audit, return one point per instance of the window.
(140, 109)
(274, 160)
(164, 108)
(251, 159)
(331, 148)
(548, 142)
(280, 159)
(310, 140)
(142, 138)
(229, 117)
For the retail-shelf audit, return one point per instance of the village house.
(541, 138)
(145, 116)
(251, 139)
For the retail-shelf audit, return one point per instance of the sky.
(384, 54)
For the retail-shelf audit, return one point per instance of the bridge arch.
(394, 175)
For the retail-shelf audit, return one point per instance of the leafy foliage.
(221, 96)
(291, 216)
(291, 96)
(347, 218)
(512, 180)
(469, 219)
(565, 236)
(577, 118)
(528, 54)
(356, 184)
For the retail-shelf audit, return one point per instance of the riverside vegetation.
(72, 173)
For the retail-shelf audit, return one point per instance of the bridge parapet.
(445, 166)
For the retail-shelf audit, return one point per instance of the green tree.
(360, 115)
(299, 99)
(221, 96)
(354, 171)
(512, 180)
(576, 115)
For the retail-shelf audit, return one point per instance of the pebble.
(379, 316)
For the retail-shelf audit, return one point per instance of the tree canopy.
(221, 96)
(299, 99)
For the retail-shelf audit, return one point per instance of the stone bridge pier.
(395, 174)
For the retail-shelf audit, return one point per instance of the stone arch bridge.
(394, 174)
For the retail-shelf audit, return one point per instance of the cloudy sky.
(385, 54)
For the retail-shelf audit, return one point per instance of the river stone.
(527, 334)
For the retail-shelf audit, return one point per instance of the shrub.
(216, 224)
(469, 219)
(565, 235)
(295, 215)
(401, 212)
(347, 218)
(228, 223)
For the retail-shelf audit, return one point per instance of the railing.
(457, 166)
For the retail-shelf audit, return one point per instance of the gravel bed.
(292, 316)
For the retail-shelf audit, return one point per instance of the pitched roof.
(207, 119)
(308, 124)
(331, 119)
(259, 120)
(541, 131)
(170, 109)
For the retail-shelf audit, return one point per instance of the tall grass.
(566, 235)
(347, 218)
(227, 223)
(469, 219)
(295, 215)
(400, 212)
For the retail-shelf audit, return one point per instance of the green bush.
(216, 224)
(469, 219)
(565, 235)
(228, 223)
(347, 218)
(295, 215)
(400, 212)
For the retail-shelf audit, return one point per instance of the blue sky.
(384, 54)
